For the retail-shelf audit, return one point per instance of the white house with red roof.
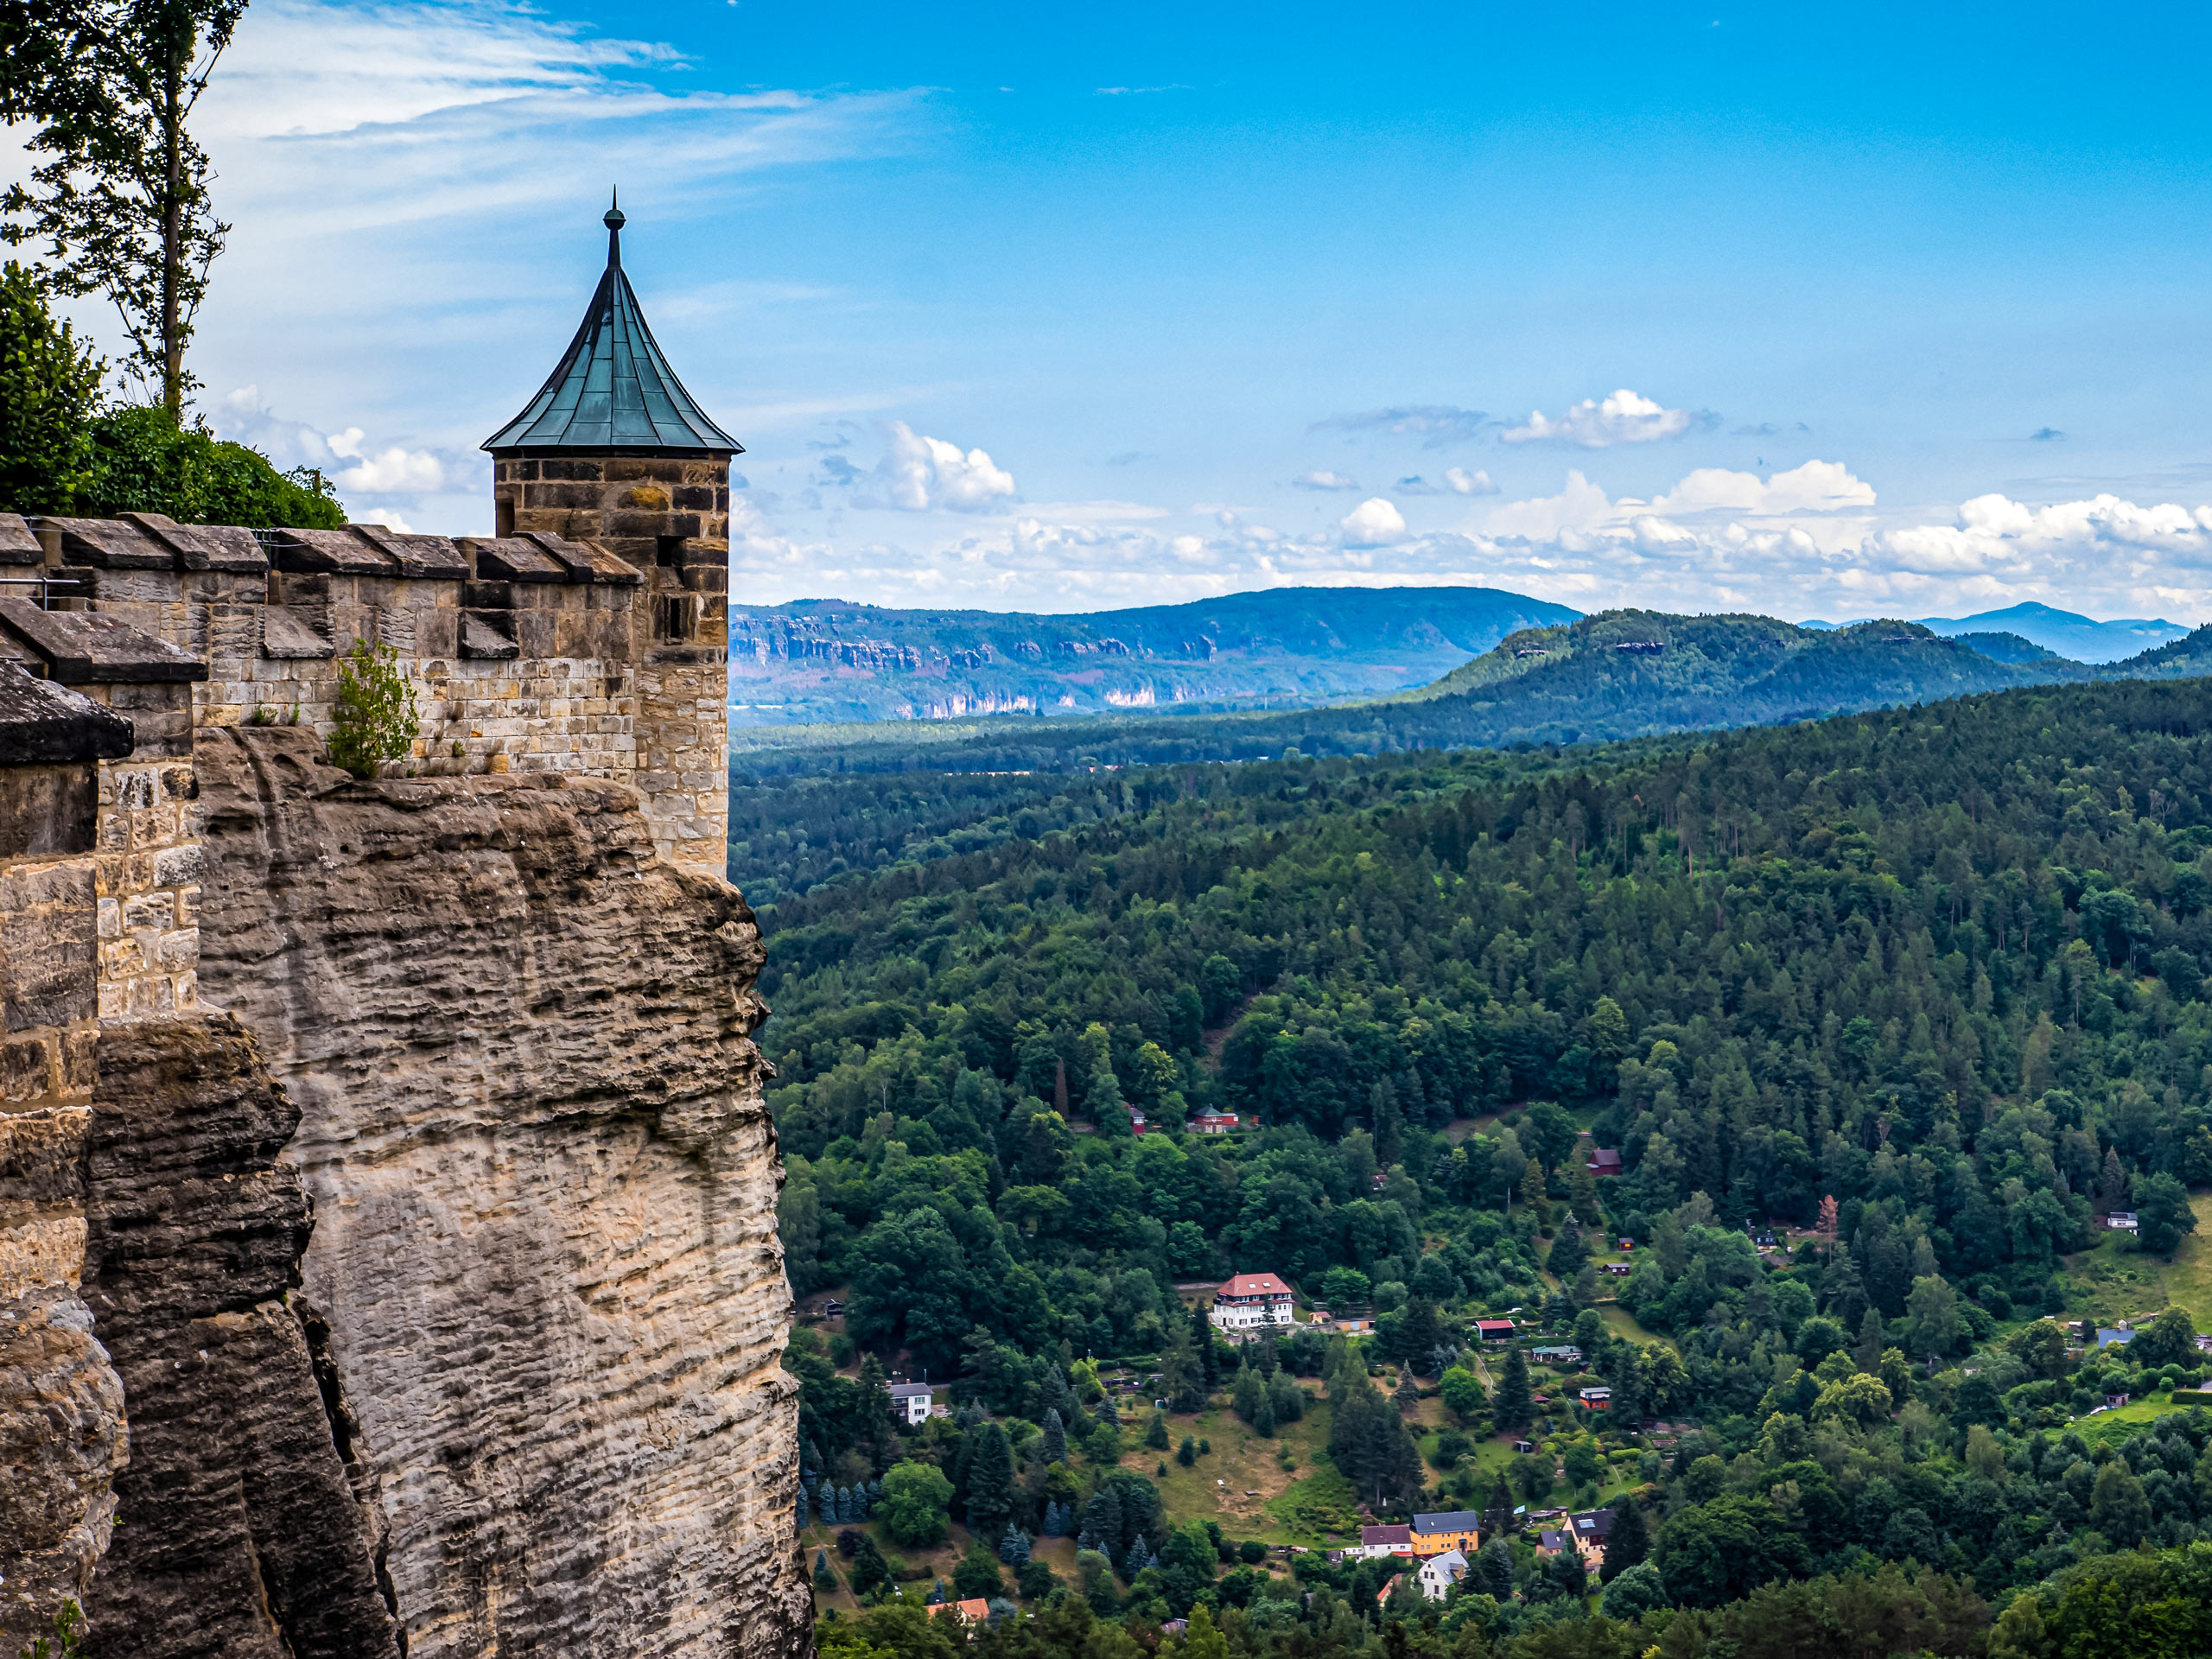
(1251, 1302)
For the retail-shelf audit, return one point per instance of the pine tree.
(844, 1513)
(990, 1482)
(1285, 1396)
(1056, 1395)
(824, 1578)
(1515, 1406)
(1187, 1454)
(1498, 1513)
(1629, 1542)
(1263, 1417)
(1495, 1563)
(1107, 1412)
(1209, 1354)
(1138, 1558)
(1102, 1521)
(1155, 1432)
(1014, 1547)
(1868, 1354)
(1181, 1375)
(1407, 1392)
(1052, 1444)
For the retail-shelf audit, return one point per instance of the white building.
(909, 1401)
(1440, 1573)
(1251, 1302)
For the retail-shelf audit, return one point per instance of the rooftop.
(1255, 1284)
(1449, 1521)
(613, 391)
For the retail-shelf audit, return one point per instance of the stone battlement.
(529, 652)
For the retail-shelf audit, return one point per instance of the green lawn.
(2189, 1281)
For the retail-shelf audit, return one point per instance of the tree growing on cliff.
(375, 719)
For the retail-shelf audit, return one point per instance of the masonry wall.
(527, 653)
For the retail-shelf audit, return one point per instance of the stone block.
(48, 928)
(26, 1069)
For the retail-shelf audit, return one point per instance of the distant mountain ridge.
(827, 660)
(2067, 634)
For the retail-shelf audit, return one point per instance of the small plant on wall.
(375, 718)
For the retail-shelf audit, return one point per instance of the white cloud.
(1624, 417)
(1996, 534)
(1435, 424)
(1464, 482)
(1581, 505)
(395, 471)
(1315, 478)
(1816, 487)
(1373, 522)
(919, 473)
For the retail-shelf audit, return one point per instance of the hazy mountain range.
(2062, 633)
(817, 660)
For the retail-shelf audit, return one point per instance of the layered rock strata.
(544, 1281)
(242, 1535)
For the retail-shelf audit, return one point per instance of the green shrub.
(48, 392)
(375, 717)
(143, 461)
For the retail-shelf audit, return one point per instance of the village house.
(1377, 1541)
(910, 1402)
(1460, 1530)
(2122, 1221)
(974, 1611)
(1599, 1398)
(1565, 1353)
(1603, 1160)
(1494, 1330)
(1251, 1302)
(1212, 1123)
(1440, 1573)
(1592, 1530)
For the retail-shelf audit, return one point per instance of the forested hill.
(1619, 674)
(1945, 966)
(816, 660)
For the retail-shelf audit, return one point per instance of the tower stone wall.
(667, 517)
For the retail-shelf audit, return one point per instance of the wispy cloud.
(1316, 478)
(2046, 435)
(1435, 424)
(1599, 423)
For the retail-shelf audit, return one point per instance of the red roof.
(1493, 1325)
(975, 1609)
(1254, 1284)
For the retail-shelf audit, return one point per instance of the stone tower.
(613, 450)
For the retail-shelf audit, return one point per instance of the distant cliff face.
(542, 1290)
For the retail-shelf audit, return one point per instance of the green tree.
(49, 390)
(2169, 1340)
(1155, 1432)
(2118, 1508)
(978, 1574)
(1717, 1551)
(2163, 1214)
(1463, 1393)
(118, 191)
(1630, 1541)
(989, 1478)
(915, 1496)
(1515, 1406)
(1552, 1133)
(375, 718)
(1932, 1313)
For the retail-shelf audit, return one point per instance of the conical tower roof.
(613, 392)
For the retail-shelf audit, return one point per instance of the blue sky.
(1838, 311)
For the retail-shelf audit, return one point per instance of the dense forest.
(1929, 982)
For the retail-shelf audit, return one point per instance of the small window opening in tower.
(665, 550)
(506, 509)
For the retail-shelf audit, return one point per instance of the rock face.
(543, 1295)
(241, 1534)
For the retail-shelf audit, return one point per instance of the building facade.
(1252, 1303)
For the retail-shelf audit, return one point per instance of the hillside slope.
(1617, 675)
(817, 660)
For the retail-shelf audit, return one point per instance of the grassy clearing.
(1239, 1484)
(2189, 1281)
(1623, 1323)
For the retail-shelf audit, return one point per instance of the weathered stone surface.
(244, 1536)
(61, 1440)
(544, 1184)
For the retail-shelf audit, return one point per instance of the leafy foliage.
(49, 388)
(375, 719)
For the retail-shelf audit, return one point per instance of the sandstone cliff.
(541, 1303)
